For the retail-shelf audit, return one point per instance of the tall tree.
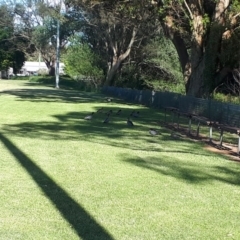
(197, 29)
(115, 28)
(36, 22)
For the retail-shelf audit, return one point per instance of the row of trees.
(122, 35)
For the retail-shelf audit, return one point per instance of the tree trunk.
(113, 68)
(181, 50)
(51, 67)
(51, 71)
(204, 53)
(212, 52)
(200, 70)
(117, 58)
(195, 84)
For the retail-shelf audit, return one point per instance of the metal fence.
(217, 111)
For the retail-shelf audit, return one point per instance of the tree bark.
(117, 58)
(204, 56)
(51, 67)
(201, 66)
(113, 68)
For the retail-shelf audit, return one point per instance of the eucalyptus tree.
(115, 29)
(35, 21)
(201, 32)
(28, 24)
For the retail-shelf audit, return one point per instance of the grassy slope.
(62, 177)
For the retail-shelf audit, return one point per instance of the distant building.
(32, 68)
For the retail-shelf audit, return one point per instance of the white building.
(34, 67)
(30, 68)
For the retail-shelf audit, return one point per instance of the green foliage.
(130, 78)
(230, 54)
(206, 21)
(80, 61)
(42, 35)
(20, 77)
(5, 64)
(11, 54)
(235, 7)
(43, 72)
(162, 69)
(163, 85)
(159, 70)
(66, 82)
(162, 52)
(226, 98)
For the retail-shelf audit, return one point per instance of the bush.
(43, 72)
(81, 63)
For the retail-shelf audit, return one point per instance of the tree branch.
(189, 10)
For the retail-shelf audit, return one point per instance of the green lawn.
(62, 177)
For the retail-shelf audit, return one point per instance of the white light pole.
(57, 4)
(57, 54)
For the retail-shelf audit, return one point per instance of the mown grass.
(63, 177)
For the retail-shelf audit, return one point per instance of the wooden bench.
(173, 110)
(187, 115)
(205, 121)
(230, 129)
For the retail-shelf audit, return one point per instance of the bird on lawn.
(131, 114)
(129, 122)
(89, 117)
(118, 112)
(109, 112)
(100, 110)
(136, 114)
(109, 99)
(106, 120)
(175, 135)
(153, 132)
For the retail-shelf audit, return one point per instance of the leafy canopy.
(80, 61)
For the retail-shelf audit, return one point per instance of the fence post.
(209, 108)
(228, 114)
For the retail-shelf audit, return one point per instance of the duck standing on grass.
(136, 114)
(99, 110)
(106, 120)
(109, 112)
(131, 114)
(129, 122)
(153, 132)
(118, 112)
(89, 117)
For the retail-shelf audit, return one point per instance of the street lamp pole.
(57, 54)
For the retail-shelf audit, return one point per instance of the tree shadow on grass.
(190, 172)
(117, 133)
(54, 95)
(72, 126)
(80, 220)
